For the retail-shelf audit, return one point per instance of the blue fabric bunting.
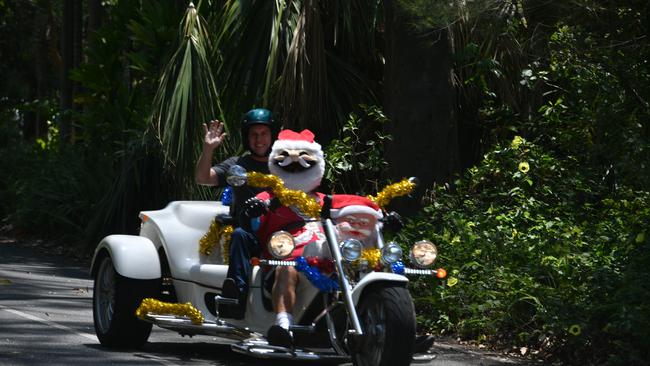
(314, 276)
(397, 267)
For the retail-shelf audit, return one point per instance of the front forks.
(344, 285)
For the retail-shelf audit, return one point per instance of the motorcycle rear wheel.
(387, 319)
(115, 299)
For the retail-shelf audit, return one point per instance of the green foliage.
(186, 98)
(548, 254)
(121, 75)
(537, 249)
(432, 14)
(46, 190)
(114, 168)
(601, 106)
(355, 161)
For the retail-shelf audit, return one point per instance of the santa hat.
(289, 139)
(348, 204)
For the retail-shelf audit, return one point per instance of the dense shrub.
(542, 252)
(45, 190)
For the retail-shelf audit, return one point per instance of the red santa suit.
(291, 220)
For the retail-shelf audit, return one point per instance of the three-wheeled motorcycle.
(353, 303)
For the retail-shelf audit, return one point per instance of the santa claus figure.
(298, 160)
(356, 217)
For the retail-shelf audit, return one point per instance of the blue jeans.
(243, 246)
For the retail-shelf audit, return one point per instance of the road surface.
(46, 319)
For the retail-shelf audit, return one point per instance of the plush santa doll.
(356, 217)
(298, 160)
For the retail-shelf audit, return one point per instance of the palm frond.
(186, 97)
(242, 49)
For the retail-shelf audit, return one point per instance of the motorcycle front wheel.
(387, 319)
(115, 299)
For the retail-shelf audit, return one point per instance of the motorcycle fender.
(133, 256)
(374, 277)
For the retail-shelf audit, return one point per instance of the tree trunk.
(78, 56)
(419, 100)
(67, 52)
(34, 121)
(95, 15)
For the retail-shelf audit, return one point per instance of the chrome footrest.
(184, 325)
(225, 300)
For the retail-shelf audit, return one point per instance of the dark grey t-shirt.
(240, 194)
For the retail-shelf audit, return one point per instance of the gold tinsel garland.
(371, 255)
(210, 239)
(154, 306)
(216, 234)
(308, 205)
(288, 197)
(394, 190)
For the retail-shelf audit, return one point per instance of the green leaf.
(640, 238)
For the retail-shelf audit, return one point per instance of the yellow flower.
(524, 167)
(518, 140)
(574, 330)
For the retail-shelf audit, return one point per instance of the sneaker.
(423, 343)
(278, 336)
(230, 290)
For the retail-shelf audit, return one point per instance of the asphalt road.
(46, 319)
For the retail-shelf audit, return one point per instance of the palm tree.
(311, 61)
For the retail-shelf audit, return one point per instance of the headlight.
(391, 253)
(423, 253)
(281, 245)
(350, 249)
(236, 176)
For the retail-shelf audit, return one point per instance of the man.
(257, 131)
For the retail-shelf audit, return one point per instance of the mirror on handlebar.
(392, 222)
(237, 176)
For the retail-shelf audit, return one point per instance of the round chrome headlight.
(350, 249)
(391, 253)
(281, 245)
(423, 253)
(236, 176)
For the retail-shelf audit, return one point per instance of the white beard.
(305, 181)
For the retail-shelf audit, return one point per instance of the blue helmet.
(257, 116)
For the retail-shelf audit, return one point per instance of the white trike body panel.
(177, 230)
(133, 256)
